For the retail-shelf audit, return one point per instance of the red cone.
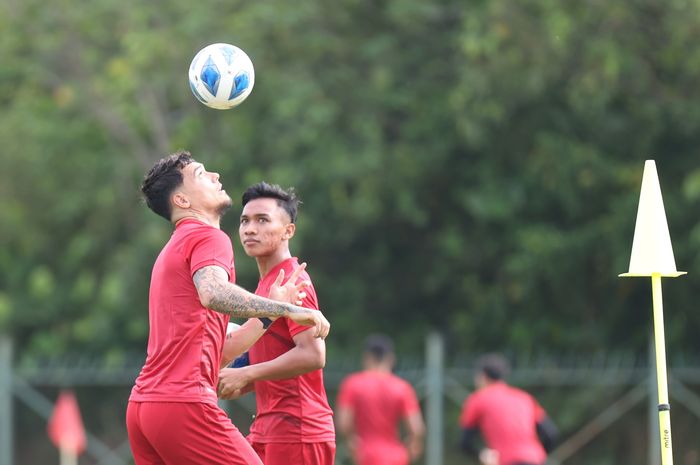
(65, 427)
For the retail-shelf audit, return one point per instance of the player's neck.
(211, 220)
(268, 262)
(378, 367)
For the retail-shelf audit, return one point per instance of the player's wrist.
(288, 310)
(249, 374)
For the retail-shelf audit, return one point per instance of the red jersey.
(185, 338)
(379, 401)
(294, 409)
(507, 418)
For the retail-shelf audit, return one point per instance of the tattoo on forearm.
(224, 297)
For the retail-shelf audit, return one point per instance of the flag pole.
(661, 375)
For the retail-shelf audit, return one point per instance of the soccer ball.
(221, 76)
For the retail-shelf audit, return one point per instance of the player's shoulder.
(500, 391)
(192, 233)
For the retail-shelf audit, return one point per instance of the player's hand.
(310, 317)
(233, 383)
(351, 445)
(238, 393)
(488, 457)
(415, 449)
(292, 291)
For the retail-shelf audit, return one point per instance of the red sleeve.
(345, 394)
(211, 247)
(470, 413)
(409, 402)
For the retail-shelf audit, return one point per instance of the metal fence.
(626, 381)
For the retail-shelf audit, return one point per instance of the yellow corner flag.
(652, 256)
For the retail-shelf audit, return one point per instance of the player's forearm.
(415, 426)
(547, 432)
(416, 431)
(414, 444)
(240, 340)
(345, 419)
(237, 302)
(294, 362)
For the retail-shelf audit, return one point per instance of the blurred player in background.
(294, 423)
(371, 406)
(173, 416)
(514, 426)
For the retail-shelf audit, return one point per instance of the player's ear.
(180, 200)
(289, 230)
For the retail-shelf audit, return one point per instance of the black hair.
(493, 365)
(379, 346)
(161, 180)
(287, 199)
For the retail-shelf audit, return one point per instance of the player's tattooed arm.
(216, 293)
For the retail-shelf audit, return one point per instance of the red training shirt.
(507, 418)
(294, 409)
(379, 401)
(185, 338)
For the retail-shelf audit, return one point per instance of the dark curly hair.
(161, 180)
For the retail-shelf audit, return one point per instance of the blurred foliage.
(470, 167)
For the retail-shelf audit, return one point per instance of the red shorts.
(297, 453)
(184, 433)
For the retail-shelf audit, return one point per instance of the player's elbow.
(415, 425)
(312, 352)
(205, 298)
(210, 283)
(419, 429)
(317, 361)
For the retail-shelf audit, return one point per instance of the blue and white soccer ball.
(221, 76)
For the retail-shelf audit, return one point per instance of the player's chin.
(225, 205)
(251, 250)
